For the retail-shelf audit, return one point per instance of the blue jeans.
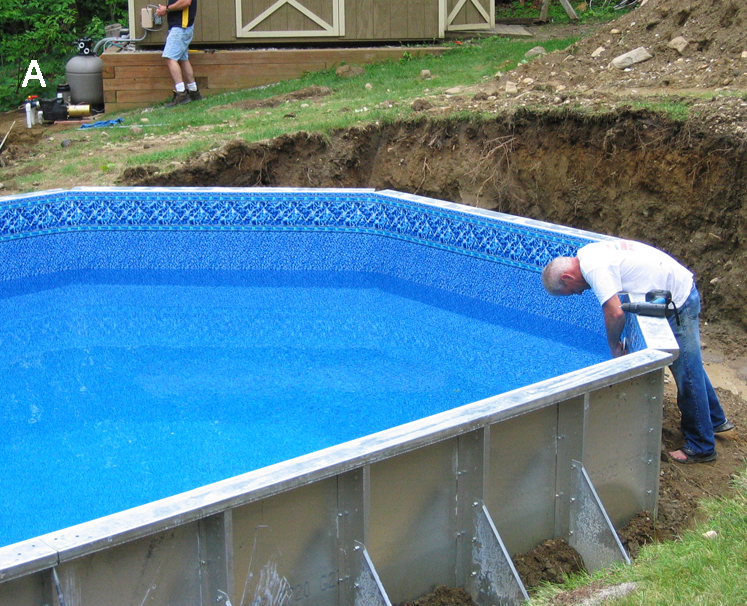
(696, 398)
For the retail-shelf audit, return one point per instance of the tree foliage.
(46, 31)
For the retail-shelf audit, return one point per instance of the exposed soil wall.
(631, 174)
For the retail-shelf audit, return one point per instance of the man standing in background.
(181, 19)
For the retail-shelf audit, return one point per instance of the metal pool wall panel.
(412, 522)
(169, 574)
(522, 466)
(285, 547)
(621, 445)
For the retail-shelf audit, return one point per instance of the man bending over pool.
(611, 267)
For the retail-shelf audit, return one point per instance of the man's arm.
(176, 6)
(614, 322)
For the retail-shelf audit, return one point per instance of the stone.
(425, 74)
(528, 81)
(598, 51)
(614, 31)
(511, 88)
(535, 52)
(638, 55)
(679, 44)
(66, 143)
(453, 91)
(369, 86)
(711, 534)
(744, 54)
(420, 105)
(136, 130)
(348, 71)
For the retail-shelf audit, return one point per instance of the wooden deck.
(140, 79)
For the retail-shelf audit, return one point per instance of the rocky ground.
(564, 138)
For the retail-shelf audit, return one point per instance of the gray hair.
(551, 275)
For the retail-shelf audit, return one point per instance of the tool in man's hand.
(656, 305)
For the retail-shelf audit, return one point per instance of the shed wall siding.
(360, 21)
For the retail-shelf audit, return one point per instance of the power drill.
(656, 305)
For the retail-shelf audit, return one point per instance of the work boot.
(179, 99)
(194, 95)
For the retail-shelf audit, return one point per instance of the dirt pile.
(550, 562)
(711, 37)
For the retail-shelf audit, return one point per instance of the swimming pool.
(154, 277)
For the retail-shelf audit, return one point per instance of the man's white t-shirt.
(617, 266)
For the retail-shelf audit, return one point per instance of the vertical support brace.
(352, 488)
(470, 481)
(494, 579)
(592, 534)
(656, 411)
(368, 588)
(216, 559)
(572, 419)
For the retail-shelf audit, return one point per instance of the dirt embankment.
(628, 173)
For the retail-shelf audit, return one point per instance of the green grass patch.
(383, 93)
(674, 110)
(694, 570)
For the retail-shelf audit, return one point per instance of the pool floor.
(120, 390)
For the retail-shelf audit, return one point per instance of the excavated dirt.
(563, 139)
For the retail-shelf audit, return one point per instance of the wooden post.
(566, 5)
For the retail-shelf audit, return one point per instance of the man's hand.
(161, 10)
(619, 350)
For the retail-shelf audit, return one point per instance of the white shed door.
(289, 18)
(464, 15)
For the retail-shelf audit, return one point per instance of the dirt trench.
(628, 173)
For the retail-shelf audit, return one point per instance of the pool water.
(122, 388)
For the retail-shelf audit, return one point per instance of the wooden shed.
(232, 38)
(240, 22)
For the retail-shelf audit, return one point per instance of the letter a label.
(34, 73)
